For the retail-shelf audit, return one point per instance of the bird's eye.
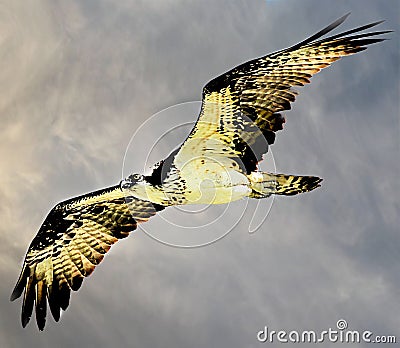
(136, 176)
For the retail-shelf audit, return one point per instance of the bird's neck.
(149, 192)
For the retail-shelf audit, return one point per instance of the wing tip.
(312, 39)
(41, 304)
(15, 294)
(344, 17)
(21, 283)
(25, 320)
(28, 302)
(77, 283)
(320, 33)
(64, 298)
(37, 294)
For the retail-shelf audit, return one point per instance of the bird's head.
(132, 180)
(136, 185)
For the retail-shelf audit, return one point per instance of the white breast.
(213, 180)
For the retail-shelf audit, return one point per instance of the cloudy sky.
(78, 78)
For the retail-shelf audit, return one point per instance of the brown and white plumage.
(71, 242)
(262, 88)
(238, 120)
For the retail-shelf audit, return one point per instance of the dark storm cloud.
(79, 78)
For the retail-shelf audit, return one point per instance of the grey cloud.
(79, 77)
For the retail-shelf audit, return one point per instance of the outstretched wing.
(72, 240)
(241, 109)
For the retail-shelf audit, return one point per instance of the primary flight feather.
(239, 117)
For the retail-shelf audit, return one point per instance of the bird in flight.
(217, 163)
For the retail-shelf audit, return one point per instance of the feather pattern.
(257, 91)
(240, 114)
(71, 242)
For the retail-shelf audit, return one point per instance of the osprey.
(216, 164)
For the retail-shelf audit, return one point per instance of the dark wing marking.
(241, 109)
(72, 240)
(161, 170)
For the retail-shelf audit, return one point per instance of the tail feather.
(265, 184)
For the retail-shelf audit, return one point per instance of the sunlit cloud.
(79, 78)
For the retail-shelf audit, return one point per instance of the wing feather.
(41, 304)
(71, 242)
(54, 300)
(258, 90)
(28, 301)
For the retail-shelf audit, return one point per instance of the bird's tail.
(264, 184)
